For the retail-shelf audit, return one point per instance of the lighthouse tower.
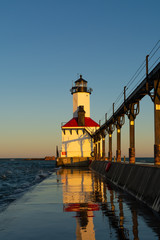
(81, 97)
(77, 142)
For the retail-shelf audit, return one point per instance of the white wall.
(76, 145)
(81, 99)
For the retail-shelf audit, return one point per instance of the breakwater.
(141, 181)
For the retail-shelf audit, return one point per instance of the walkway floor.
(77, 204)
(37, 215)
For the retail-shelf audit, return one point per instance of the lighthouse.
(77, 142)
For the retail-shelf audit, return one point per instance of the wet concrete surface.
(77, 204)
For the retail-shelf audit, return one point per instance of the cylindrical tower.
(81, 97)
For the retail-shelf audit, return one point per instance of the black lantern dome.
(80, 86)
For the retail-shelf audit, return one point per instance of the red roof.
(88, 123)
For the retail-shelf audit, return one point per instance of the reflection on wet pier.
(102, 212)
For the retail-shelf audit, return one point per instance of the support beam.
(110, 148)
(120, 122)
(132, 137)
(110, 131)
(103, 135)
(99, 149)
(133, 111)
(157, 121)
(103, 147)
(96, 150)
(118, 152)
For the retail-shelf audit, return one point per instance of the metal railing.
(80, 89)
(147, 66)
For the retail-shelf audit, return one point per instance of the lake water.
(18, 175)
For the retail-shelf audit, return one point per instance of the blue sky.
(44, 44)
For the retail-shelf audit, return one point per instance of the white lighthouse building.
(77, 143)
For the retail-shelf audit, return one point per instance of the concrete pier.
(141, 181)
(27, 217)
(79, 204)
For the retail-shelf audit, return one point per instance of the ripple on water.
(17, 176)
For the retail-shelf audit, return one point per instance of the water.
(142, 160)
(18, 175)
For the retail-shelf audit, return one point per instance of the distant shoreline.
(30, 159)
